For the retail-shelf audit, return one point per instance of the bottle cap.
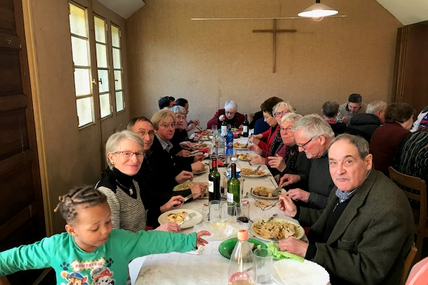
(242, 234)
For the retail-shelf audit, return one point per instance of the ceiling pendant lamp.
(318, 11)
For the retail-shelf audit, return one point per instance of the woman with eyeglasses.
(267, 143)
(125, 154)
(293, 161)
(229, 114)
(180, 140)
(156, 175)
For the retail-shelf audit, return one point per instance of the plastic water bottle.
(242, 269)
(229, 142)
(221, 140)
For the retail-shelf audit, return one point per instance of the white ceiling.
(406, 11)
(124, 8)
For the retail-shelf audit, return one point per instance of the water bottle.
(221, 141)
(229, 142)
(223, 129)
(242, 269)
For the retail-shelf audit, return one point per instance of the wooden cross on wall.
(274, 31)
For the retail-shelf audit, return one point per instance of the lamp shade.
(318, 10)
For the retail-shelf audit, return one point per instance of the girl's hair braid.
(86, 195)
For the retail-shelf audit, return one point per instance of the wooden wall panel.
(21, 210)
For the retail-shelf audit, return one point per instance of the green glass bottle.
(233, 189)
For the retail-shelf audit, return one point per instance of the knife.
(188, 197)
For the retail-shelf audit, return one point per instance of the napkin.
(291, 272)
(196, 251)
(278, 254)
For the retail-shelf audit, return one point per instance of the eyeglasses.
(129, 154)
(144, 133)
(305, 144)
(230, 112)
(287, 129)
(180, 116)
(277, 114)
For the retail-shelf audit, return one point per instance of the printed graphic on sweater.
(99, 274)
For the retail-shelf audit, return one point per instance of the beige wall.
(69, 157)
(213, 61)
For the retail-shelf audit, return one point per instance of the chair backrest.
(416, 190)
(408, 263)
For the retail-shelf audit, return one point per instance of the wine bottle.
(214, 181)
(233, 189)
(242, 269)
(245, 127)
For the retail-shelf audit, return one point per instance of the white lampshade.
(318, 10)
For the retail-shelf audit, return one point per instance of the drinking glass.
(244, 216)
(263, 260)
(230, 212)
(217, 223)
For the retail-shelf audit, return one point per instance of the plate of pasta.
(276, 229)
(245, 156)
(178, 216)
(188, 185)
(249, 173)
(264, 192)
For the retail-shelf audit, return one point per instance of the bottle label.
(241, 278)
(245, 129)
(211, 186)
(230, 197)
(223, 130)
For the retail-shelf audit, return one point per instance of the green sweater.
(107, 263)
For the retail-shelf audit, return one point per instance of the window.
(96, 81)
(117, 67)
(102, 66)
(82, 67)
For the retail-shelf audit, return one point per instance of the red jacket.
(384, 143)
(266, 141)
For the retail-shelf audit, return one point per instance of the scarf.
(276, 143)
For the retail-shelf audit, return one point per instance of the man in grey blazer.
(366, 230)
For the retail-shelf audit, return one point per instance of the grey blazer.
(372, 237)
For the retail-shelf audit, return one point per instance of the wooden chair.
(408, 263)
(415, 190)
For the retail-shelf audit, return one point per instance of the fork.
(257, 170)
(188, 217)
(270, 207)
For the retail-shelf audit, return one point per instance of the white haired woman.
(229, 114)
(125, 154)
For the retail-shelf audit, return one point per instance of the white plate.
(187, 224)
(268, 188)
(201, 172)
(293, 272)
(300, 232)
(246, 156)
(255, 176)
(199, 145)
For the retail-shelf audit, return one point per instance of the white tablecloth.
(209, 267)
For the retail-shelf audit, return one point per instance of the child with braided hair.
(89, 249)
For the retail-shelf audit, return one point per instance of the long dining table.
(206, 265)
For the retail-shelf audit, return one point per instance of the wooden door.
(21, 208)
(411, 66)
